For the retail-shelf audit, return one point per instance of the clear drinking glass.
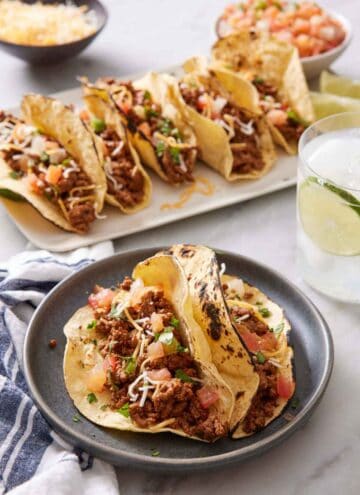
(328, 206)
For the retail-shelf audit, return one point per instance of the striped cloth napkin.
(33, 458)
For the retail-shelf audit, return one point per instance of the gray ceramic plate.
(310, 338)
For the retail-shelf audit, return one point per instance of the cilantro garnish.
(174, 322)
(260, 357)
(15, 175)
(124, 410)
(91, 398)
(147, 95)
(150, 112)
(175, 154)
(130, 366)
(44, 157)
(160, 148)
(294, 404)
(258, 80)
(98, 125)
(165, 127)
(264, 312)
(76, 419)
(183, 376)
(155, 452)
(92, 325)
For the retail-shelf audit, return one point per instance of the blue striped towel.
(33, 458)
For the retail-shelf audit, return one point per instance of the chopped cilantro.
(131, 365)
(174, 322)
(92, 325)
(278, 329)
(160, 148)
(15, 175)
(176, 133)
(124, 410)
(294, 404)
(91, 398)
(175, 154)
(44, 157)
(150, 112)
(181, 348)
(259, 303)
(104, 407)
(165, 127)
(155, 452)
(264, 312)
(94, 342)
(258, 80)
(98, 125)
(66, 162)
(147, 95)
(76, 419)
(294, 117)
(260, 357)
(183, 376)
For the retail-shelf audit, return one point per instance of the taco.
(228, 353)
(233, 138)
(275, 69)
(50, 158)
(136, 360)
(263, 328)
(159, 133)
(128, 185)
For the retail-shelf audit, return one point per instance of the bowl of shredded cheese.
(49, 31)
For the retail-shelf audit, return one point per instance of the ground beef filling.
(246, 152)
(174, 399)
(176, 163)
(265, 401)
(124, 180)
(69, 188)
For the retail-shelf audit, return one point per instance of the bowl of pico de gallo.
(320, 36)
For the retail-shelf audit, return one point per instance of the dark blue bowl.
(57, 53)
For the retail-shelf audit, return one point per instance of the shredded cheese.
(45, 25)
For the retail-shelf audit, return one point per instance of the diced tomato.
(144, 127)
(157, 323)
(159, 375)
(96, 379)
(84, 115)
(53, 174)
(110, 363)
(207, 396)
(252, 341)
(268, 342)
(36, 185)
(125, 106)
(285, 387)
(101, 299)
(155, 350)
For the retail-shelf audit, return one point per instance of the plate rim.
(109, 453)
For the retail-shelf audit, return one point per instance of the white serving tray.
(47, 236)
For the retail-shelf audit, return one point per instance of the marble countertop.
(323, 457)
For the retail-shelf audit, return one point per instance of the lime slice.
(328, 218)
(326, 104)
(338, 85)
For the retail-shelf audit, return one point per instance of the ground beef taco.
(210, 311)
(233, 137)
(128, 185)
(165, 142)
(275, 69)
(263, 328)
(49, 157)
(136, 359)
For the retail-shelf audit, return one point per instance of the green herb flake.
(155, 453)
(278, 329)
(258, 80)
(124, 410)
(94, 341)
(44, 157)
(181, 348)
(175, 154)
(66, 162)
(76, 419)
(183, 376)
(174, 322)
(91, 398)
(260, 357)
(150, 112)
(98, 125)
(147, 95)
(165, 127)
(91, 325)
(261, 5)
(265, 312)
(160, 148)
(15, 175)
(130, 366)
(294, 404)
(104, 407)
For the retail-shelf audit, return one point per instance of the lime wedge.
(338, 85)
(330, 216)
(326, 104)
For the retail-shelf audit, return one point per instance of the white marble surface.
(324, 457)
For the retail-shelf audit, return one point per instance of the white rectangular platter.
(47, 236)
